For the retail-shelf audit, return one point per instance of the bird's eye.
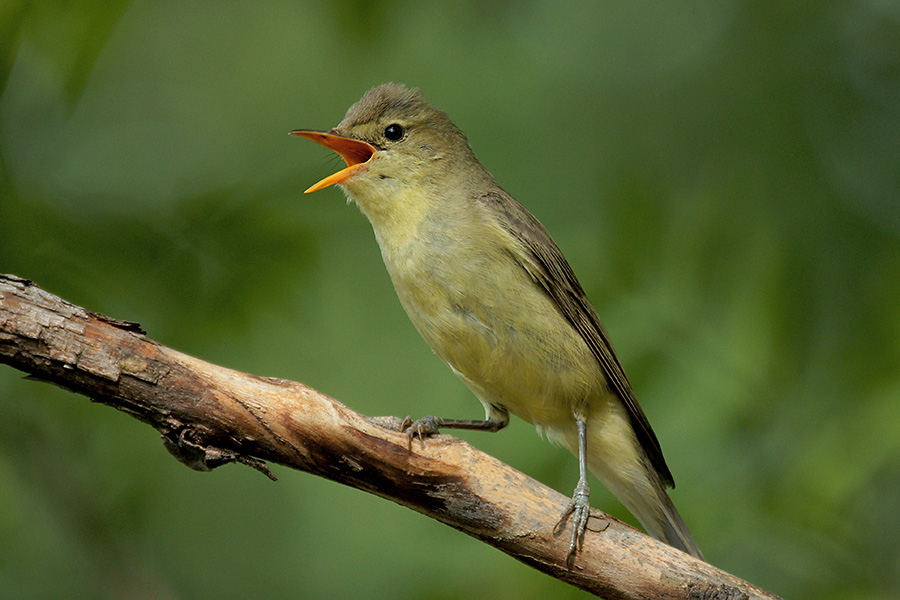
(393, 132)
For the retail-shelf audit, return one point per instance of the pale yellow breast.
(483, 314)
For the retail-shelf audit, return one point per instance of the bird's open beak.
(354, 152)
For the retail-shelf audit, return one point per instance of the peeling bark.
(209, 415)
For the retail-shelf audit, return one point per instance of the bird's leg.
(496, 420)
(580, 505)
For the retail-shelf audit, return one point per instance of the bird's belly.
(519, 353)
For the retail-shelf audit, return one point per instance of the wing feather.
(548, 267)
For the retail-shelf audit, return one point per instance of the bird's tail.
(658, 516)
(616, 459)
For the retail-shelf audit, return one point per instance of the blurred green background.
(724, 177)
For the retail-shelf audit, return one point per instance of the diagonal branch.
(209, 415)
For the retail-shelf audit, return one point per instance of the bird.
(487, 288)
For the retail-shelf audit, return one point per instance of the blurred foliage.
(724, 178)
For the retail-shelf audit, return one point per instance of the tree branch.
(209, 415)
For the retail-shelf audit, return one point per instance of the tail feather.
(617, 460)
(644, 496)
(671, 528)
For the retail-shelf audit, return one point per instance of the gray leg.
(580, 506)
(430, 425)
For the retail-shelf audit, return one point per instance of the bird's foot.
(421, 428)
(580, 510)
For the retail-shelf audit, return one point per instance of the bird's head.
(392, 139)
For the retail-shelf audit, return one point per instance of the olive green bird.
(494, 297)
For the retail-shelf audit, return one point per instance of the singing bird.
(488, 289)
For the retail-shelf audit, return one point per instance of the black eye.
(393, 132)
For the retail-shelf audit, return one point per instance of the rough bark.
(209, 415)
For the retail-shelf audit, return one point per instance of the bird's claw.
(580, 509)
(421, 428)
